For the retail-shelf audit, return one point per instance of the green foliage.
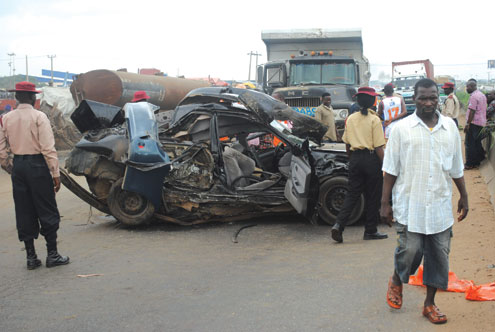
(8, 82)
(463, 97)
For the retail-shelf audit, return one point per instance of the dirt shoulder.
(472, 252)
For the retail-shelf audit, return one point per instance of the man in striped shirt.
(422, 158)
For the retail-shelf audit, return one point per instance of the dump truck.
(405, 74)
(304, 64)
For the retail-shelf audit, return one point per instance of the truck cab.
(304, 64)
(303, 79)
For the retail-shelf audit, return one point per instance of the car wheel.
(331, 199)
(129, 208)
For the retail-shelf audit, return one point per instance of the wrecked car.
(227, 154)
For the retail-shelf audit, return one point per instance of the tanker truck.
(304, 64)
(118, 87)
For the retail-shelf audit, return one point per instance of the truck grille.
(303, 102)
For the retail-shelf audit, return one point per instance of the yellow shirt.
(324, 114)
(363, 131)
(451, 106)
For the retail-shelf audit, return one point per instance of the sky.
(201, 38)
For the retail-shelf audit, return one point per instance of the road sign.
(491, 64)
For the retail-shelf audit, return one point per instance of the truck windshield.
(406, 82)
(322, 73)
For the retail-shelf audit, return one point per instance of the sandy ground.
(472, 257)
(472, 254)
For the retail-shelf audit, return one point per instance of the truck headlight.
(341, 113)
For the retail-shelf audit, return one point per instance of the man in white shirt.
(422, 158)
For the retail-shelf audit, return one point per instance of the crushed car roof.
(259, 105)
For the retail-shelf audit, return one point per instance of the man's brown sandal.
(394, 295)
(434, 315)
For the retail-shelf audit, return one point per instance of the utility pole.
(27, 75)
(256, 54)
(250, 57)
(51, 66)
(12, 67)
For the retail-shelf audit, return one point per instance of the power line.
(21, 58)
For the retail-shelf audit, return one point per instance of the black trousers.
(365, 176)
(34, 197)
(474, 150)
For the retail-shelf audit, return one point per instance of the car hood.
(263, 107)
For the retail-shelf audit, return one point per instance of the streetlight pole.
(51, 67)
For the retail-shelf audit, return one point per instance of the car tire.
(331, 200)
(129, 208)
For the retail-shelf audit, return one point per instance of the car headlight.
(342, 114)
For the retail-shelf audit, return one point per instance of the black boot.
(337, 230)
(54, 259)
(32, 260)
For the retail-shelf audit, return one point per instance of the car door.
(302, 187)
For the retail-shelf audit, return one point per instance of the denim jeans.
(434, 249)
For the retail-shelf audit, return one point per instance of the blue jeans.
(414, 247)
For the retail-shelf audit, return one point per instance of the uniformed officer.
(451, 106)
(35, 174)
(324, 114)
(364, 140)
(140, 96)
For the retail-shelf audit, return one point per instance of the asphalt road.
(282, 275)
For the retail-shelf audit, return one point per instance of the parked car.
(221, 162)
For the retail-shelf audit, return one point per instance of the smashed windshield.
(304, 73)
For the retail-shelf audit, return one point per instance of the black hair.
(472, 80)
(425, 83)
(388, 90)
(365, 101)
(326, 94)
(25, 97)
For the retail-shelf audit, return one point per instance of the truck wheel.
(331, 199)
(129, 208)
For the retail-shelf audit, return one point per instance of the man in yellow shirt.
(324, 114)
(451, 106)
(364, 140)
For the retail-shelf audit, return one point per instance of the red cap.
(25, 87)
(367, 91)
(390, 85)
(448, 85)
(139, 95)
